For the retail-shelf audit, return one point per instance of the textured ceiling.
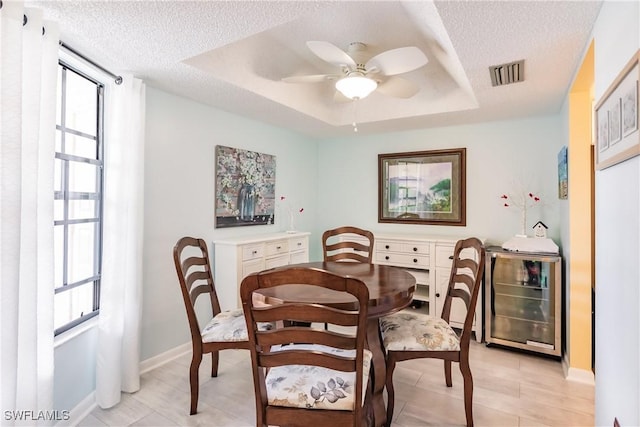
(232, 55)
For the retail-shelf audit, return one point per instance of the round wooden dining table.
(390, 289)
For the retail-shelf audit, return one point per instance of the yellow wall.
(581, 242)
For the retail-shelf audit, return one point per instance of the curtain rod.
(117, 79)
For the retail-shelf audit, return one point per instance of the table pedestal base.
(378, 374)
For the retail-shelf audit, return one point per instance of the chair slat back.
(336, 249)
(281, 346)
(465, 280)
(191, 259)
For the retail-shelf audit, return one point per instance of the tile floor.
(510, 389)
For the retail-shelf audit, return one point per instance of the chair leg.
(215, 357)
(391, 365)
(468, 390)
(447, 373)
(193, 381)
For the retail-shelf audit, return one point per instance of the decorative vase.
(292, 225)
(523, 226)
(246, 202)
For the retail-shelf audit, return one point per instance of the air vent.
(505, 74)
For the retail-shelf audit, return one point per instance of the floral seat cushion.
(313, 387)
(229, 326)
(418, 332)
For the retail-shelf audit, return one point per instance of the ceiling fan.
(357, 78)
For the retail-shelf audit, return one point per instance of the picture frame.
(245, 187)
(617, 117)
(563, 176)
(423, 187)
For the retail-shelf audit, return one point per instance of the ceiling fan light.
(356, 87)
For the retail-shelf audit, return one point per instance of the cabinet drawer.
(402, 247)
(388, 246)
(299, 257)
(298, 243)
(415, 248)
(277, 247)
(276, 261)
(406, 260)
(252, 266)
(250, 252)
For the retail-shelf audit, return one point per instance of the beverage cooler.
(523, 300)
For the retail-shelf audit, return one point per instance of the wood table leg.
(379, 373)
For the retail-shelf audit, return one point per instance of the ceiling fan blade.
(331, 54)
(313, 78)
(398, 87)
(397, 61)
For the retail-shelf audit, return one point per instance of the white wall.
(181, 136)
(499, 155)
(617, 38)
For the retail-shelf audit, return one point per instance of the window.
(78, 186)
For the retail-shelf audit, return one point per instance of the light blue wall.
(500, 155)
(617, 38)
(181, 136)
(75, 370)
(336, 180)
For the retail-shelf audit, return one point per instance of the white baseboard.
(81, 410)
(88, 404)
(159, 360)
(577, 375)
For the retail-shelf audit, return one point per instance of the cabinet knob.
(299, 244)
(278, 247)
(437, 294)
(254, 252)
(415, 249)
(415, 260)
(386, 246)
(387, 257)
(450, 256)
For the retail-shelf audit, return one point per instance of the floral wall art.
(245, 187)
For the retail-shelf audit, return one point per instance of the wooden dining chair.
(339, 244)
(410, 335)
(224, 330)
(305, 375)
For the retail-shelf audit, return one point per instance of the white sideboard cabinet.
(428, 259)
(237, 257)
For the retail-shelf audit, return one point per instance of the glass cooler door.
(522, 301)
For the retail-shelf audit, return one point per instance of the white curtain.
(121, 289)
(28, 64)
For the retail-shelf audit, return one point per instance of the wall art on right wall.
(616, 118)
(563, 176)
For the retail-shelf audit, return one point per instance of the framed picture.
(630, 111)
(563, 177)
(615, 126)
(603, 132)
(245, 187)
(616, 118)
(423, 187)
